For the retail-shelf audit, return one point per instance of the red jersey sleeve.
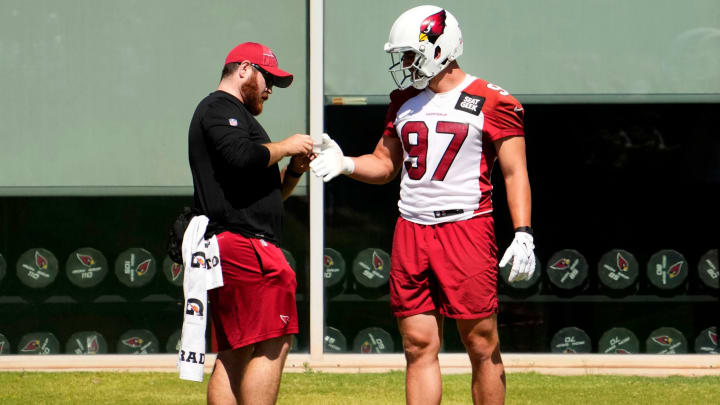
(503, 118)
(397, 99)
(503, 113)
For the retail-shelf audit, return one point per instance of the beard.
(251, 95)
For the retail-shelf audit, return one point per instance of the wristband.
(525, 229)
(292, 173)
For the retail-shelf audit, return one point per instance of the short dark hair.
(229, 69)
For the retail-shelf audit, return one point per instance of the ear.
(244, 70)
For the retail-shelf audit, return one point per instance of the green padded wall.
(546, 51)
(98, 94)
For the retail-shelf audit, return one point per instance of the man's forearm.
(277, 152)
(519, 198)
(370, 169)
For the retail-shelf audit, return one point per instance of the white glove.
(520, 252)
(330, 161)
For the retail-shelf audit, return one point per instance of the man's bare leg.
(249, 375)
(422, 337)
(224, 384)
(481, 341)
(261, 381)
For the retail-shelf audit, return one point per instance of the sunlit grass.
(343, 389)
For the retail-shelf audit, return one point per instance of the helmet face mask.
(406, 72)
(433, 35)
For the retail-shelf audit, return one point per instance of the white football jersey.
(447, 147)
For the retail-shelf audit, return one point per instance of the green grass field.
(344, 389)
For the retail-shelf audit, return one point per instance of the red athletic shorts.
(451, 267)
(257, 301)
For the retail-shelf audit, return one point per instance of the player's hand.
(521, 253)
(298, 144)
(330, 161)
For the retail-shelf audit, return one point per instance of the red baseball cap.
(262, 56)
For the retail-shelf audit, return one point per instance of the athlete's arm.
(382, 165)
(298, 144)
(385, 162)
(511, 157)
(512, 161)
(379, 167)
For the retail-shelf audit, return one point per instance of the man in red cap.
(240, 188)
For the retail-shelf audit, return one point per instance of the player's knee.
(419, 346)
(482, 348)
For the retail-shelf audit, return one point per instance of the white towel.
(201, 259)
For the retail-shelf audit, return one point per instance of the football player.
(444, 130)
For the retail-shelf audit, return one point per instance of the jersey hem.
(478, 315)
(265, 336)
(463, 217)
(411, 312)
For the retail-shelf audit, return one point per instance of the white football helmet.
(429, 38)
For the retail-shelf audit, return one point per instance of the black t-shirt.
(233, 185)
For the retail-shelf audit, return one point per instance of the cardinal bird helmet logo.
(432, 27)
